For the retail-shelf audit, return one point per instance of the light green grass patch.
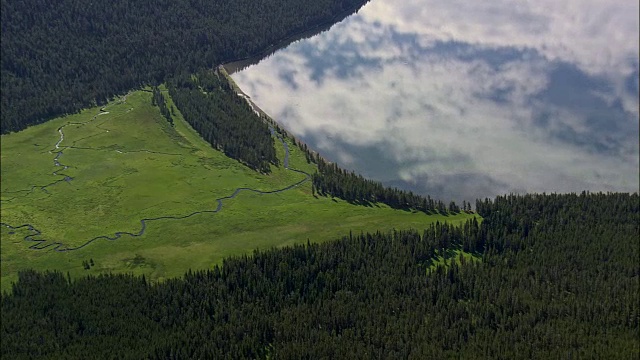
(450, 256)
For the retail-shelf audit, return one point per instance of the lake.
(465, 100)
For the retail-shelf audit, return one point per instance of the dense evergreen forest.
(61, 56)
(211, 106)
(555, 276)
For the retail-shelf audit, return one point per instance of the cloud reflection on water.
(463, 100)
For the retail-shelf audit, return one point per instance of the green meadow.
(128, 163)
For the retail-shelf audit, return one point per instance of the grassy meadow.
(127, 163)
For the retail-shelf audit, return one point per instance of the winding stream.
(57, 162)
(60, 247)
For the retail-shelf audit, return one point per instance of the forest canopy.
(551, 276)
(61, 56)
(211, 106)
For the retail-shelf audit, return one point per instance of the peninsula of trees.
(211, 106)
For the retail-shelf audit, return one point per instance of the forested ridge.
(61, 56)
(211, 106)
(556, 276)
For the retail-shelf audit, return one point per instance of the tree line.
(331, 180)
(59, 57)
(553, 276)
(157, 99)
(211, 106)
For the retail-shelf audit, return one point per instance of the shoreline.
(266, 117)
(236, 65)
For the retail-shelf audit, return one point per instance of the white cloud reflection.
(599, 36)
(462, 100)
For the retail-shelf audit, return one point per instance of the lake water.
(467, 99)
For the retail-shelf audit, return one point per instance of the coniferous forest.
(159, 101)
(211, 106)
(554, 276)
(59, 57)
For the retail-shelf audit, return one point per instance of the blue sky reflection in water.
(461, 100)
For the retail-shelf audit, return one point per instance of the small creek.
(42, 244)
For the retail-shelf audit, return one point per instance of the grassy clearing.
(131, 164)
(452, 256)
